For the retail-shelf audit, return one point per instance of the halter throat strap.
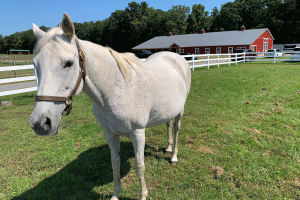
(68, 99)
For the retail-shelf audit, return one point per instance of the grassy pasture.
(239, 140)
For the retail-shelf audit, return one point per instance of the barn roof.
(207, 39)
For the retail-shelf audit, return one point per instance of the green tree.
(216, 22)
(96, 32)
(28, 40)
(177, 19)
(1, 44)
(198, 19)
(230, 17)
(251, 12)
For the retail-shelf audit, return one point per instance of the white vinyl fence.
(199, 60)
(19, 79)
(207, 60)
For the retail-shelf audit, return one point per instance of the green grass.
(240, 121)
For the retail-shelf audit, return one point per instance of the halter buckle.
(68, 101)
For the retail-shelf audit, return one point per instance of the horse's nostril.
(47, 125)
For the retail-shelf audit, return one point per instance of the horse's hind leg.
(170, 139)
(174, 160)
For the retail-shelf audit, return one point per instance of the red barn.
(259, 40)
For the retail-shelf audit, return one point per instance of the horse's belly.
(164, 112)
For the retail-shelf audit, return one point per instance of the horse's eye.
(69, 64)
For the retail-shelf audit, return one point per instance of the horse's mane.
(121, 58)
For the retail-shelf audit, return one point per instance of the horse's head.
(57, 69)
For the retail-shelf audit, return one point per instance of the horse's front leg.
(114, 145)
(138, 141)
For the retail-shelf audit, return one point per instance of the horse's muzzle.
(43, 127)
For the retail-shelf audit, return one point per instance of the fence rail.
(199, 60)
(19, 79)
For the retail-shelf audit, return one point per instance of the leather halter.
(68, 99)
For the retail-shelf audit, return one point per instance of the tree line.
(138, 23)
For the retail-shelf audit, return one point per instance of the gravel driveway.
(15, 86)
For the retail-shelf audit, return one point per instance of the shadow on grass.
(91, 169)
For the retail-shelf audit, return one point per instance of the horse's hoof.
(168, 152)
(174, 162)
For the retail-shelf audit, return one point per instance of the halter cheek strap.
(68, 99)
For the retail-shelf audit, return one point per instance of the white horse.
(128, 94)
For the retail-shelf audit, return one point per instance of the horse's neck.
(102, 72)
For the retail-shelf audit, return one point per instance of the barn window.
(180, 51)
(218, 50)
(197, 51)
(207, 50)
(230, 49)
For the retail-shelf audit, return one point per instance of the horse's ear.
(67, 26)
(37, 31)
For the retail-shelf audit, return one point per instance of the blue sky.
(18, 15)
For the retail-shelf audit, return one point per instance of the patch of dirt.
(288, 127)
(276, 110)
(263, 112)
(248, 102)
(205, 150)
(128, 180)
(298, 92)
(297, 182)
(277, 102)
(267, 153)
(252, 130)
(264, 88)
(77, 145)
(189, 140)
(218, 171)
(20, 150)
(230, 176)
(227, 132)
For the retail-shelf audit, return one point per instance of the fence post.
(15, 70)
(244, 57)
(274, 58)
(235, 58)
(228, 60)
(218, 59)
(193, 64)
(208, 61)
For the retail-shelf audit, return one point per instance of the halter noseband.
(68, 99)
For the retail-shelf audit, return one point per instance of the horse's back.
(172, 62)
